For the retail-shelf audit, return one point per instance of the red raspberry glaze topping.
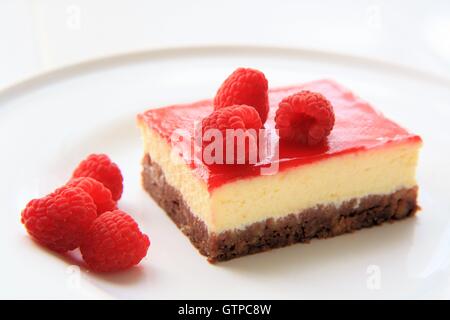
(114, 242)
(60, 220)
(245, 86)
(235, 117)
(100, 194)
(305, 117)
(102, 169)
(357, 126)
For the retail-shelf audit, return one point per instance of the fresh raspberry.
(101, 168)
(305, 117)
(100, 194)
(60, 220)
(234, 117)
(114, 242)
(244, 86)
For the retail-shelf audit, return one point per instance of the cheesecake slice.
(363, 175)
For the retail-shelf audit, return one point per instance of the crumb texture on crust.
(318, 222)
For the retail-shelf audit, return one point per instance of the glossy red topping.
(357, 127)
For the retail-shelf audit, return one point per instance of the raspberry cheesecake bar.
(361, 174)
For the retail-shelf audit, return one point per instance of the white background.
(37, 35)
(40, 35)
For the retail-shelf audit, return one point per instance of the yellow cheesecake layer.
(238, 204)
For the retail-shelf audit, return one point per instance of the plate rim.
(134, 56)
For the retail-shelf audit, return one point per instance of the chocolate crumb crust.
(318, 222)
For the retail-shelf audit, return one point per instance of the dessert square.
(363, 175)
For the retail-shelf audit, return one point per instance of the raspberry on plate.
(240, 118)
(101, 168)
(60, 220)
(305, 117)
(245, 86)
(100, 194)
(114, 242)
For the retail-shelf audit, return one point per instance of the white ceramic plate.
(51, 122)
